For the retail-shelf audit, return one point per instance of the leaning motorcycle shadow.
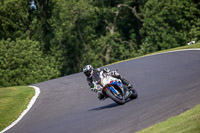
(112, 105)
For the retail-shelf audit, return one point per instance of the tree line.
(45, 39)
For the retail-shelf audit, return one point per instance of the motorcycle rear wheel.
(134, 94)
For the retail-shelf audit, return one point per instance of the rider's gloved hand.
(106, 70)
(94, 90)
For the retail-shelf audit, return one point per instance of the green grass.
(187, 122)
(196, 45)
(13, 101)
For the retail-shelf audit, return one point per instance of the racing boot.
(130, 87)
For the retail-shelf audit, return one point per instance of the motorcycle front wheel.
(110, 94)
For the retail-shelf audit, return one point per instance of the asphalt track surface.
(168, 84)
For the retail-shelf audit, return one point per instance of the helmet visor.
(88, 73)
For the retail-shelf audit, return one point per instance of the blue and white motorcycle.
(114, 89)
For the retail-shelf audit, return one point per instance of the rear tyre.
(117, 100)
(134, 94)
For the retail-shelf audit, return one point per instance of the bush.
(22, 62)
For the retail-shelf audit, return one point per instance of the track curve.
(168, 84)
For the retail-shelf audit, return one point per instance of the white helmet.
(88, 70)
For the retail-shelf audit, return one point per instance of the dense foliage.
(44, 39)
(22, 62)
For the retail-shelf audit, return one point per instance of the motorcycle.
(114, 89)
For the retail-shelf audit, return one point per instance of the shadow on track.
(112, 105)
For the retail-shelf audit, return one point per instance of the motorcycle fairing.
(115, 82)
(113, 90)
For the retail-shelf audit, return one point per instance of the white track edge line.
(148, 55)
(194, 49)
(37, 92)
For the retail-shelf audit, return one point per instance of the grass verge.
(193, 46)
(187, 122)
(13, 101)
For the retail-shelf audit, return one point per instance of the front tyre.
(117, 100)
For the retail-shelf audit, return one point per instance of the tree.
(14, 19)
(166, 24)
(22, 62)
(110, 49)
(72, 23)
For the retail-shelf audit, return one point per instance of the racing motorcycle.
(114, 89)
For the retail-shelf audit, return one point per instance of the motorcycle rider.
(93, 76)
